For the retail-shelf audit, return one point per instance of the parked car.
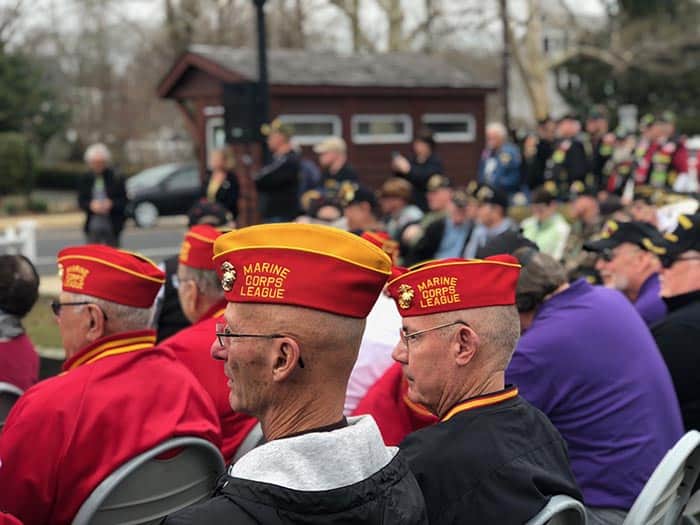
(168, 189)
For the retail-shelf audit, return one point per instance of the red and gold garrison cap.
(455, 284)
(108, 273)
(307, 265)
(197, 249)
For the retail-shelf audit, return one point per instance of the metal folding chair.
(560, 510)
(667, 492)
(9, 394)
(146, 488)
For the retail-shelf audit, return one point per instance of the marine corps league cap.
(108, 273)
(383, 241)
(455, 284)
(307, 265)
(198, 247)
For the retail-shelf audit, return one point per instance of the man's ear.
(287, 357)
(467, 345)
(96, 324)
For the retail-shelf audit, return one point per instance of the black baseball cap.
(206, 212)
(684, 238)
(507, 242)
(489, 195)
(437, 181)
(616, 233)
(358, 194)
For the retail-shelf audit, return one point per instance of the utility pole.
(505, 64)
(263, 91)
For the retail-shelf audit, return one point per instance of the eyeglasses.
(668, 263)
(56, 306)
(223, 334)
(406, 337)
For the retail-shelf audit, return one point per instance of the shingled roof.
(300, 67)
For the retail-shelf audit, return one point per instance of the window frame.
(313, 118)
(447, 136)
(382, 138)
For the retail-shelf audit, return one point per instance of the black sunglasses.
(56, 306)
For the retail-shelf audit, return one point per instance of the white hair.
(498, 128)
(97, 150)
(120, 317)
(207, 281)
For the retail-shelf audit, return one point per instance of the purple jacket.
(590, 364)
(649, 303)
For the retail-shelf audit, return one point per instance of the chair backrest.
(9, 394)
(667, 492)
(147, 488)
(560, 510)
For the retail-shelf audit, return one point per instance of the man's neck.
(283, 150)
(490, 384)
(336, 166)
(633, 292)
(304, 415)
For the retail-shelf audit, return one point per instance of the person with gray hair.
(102, 196)
(492, 458)
(19, 290)
(118, 396)
(587, 360)
(499, 166)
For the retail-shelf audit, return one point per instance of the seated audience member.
(169, 318)
(493, 457)
(203, 303)
(546, 227)
(507, 242)
(626, 262)
(587, 360)
(677, 335)
(448, 235)
(491, 217)
(118, 396)
(362, 211)
(587, 224)
(379, 337)
(394, 199)
(19, 290)
(423, 164)
(298, 298)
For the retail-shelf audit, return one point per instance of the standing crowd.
(424, 353)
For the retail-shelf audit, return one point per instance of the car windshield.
(150, 177)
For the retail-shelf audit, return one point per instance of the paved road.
(156, 243)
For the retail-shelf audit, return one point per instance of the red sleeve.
(680, 159)
(8, 519)
(30, 445)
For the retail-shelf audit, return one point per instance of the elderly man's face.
(683, 276)
(623, 263)
(494, 139)
(247, 361)
(97, 164)
(425, 361)
(73, 323)
(439, 199)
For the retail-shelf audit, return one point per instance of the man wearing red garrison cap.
(492, 458)
(298, 298)
(203, 303)
(118, 395)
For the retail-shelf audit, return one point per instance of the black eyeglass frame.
(56, 306)
(407, 337)
(221, 335)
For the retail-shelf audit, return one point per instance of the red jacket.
(116, 398)
(192, 346)
(396, 415)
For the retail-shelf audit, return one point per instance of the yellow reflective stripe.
(147, 339)
(685, 222)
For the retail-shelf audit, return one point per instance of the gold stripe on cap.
(466, 262)
(307, 238)
(671, 237)
(658, 250)
(112, 265)
(685, 222)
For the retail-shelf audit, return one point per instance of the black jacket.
(332, 181)
(116, 192)
(677, 337)
(227, 194)
(498, 463)
(278, 187)
(389, 497)
(419, 175)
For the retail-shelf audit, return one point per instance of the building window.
(312, 129)
(451, 127)
(381, 129)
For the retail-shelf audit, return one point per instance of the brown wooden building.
(375, 102)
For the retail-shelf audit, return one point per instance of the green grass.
(41, 325)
